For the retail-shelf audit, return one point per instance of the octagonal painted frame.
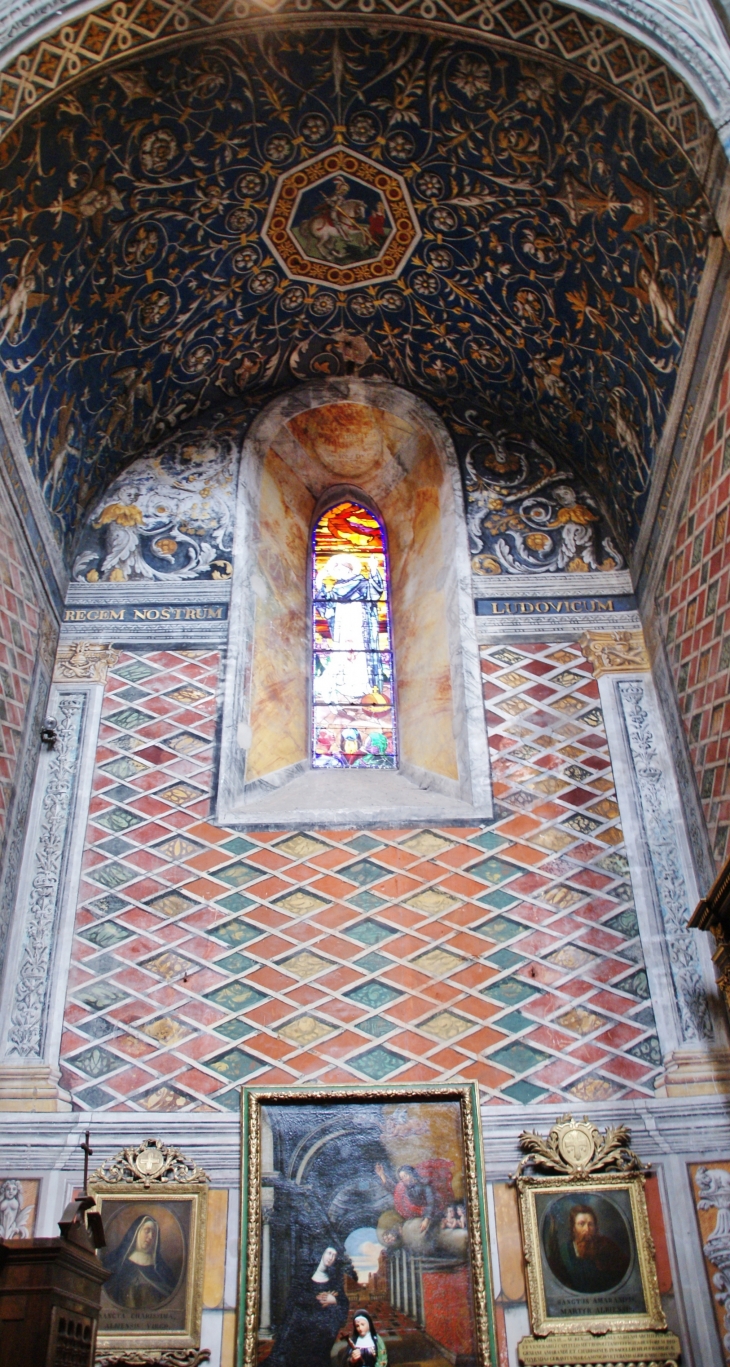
(285, 201)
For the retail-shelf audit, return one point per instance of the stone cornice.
(659, 1129)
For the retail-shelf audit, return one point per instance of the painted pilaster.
(683, 989)
(700, 1346)
(40, 942)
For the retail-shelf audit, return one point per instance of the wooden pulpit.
(50, 1293)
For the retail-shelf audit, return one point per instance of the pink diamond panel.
(205, 958)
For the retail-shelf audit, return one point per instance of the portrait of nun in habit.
(141, 1279)
(316, 1310)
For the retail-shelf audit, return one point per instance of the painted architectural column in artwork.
(683, 988)
(34, 988)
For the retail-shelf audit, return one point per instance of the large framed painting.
(364, 1235)
(153, 1204)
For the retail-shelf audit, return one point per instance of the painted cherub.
(13, 1218)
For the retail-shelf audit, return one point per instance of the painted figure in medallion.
(341, 220)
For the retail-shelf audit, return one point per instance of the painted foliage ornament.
(577, 1148)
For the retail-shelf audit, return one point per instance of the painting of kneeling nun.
(316, 1309)
(364, 1254)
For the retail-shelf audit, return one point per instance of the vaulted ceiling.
(559, 233)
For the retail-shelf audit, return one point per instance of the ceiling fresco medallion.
(342, 219)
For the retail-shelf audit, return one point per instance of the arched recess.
(376, 437)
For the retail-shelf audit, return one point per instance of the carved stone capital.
(616, 652)
(695, 1072)
(83, 660)
(31, 1087)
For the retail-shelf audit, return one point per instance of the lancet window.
(353, 687)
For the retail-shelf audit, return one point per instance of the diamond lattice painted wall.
(506, 954)
(694, 602)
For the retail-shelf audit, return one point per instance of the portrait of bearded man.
(587, 1261)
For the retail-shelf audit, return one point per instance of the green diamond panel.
(373, 995)
(235, 1064)
(493, 870)
(518, 1057)
(129, 718)
(370, 932)
(236, 932)
(510, 991)
(106, 935)
(378, 1063)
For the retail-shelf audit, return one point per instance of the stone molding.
(27, 1016)
(663, 848)
(31, 1088)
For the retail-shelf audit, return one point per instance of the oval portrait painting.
(587, 1243)
(145, 1255)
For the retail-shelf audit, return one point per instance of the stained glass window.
(353, 705)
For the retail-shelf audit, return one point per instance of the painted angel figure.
(13, 1216)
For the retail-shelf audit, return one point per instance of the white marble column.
(690, 1021)
(39, 948)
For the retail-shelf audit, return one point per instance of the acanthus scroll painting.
(549, 235)
(365, 1230)
(168, 516)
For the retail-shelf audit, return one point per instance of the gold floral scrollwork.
(577, 1148)
(175, 1357)
(148, 1163)
(616, 652)
(84, 660)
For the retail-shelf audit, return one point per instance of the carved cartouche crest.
(149, 1163)
(577, 1148)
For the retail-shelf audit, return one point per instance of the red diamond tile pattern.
(694, 607)
(205, 958)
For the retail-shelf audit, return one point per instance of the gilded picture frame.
(155, 1228)
(382, 1188)
(589, 1255)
